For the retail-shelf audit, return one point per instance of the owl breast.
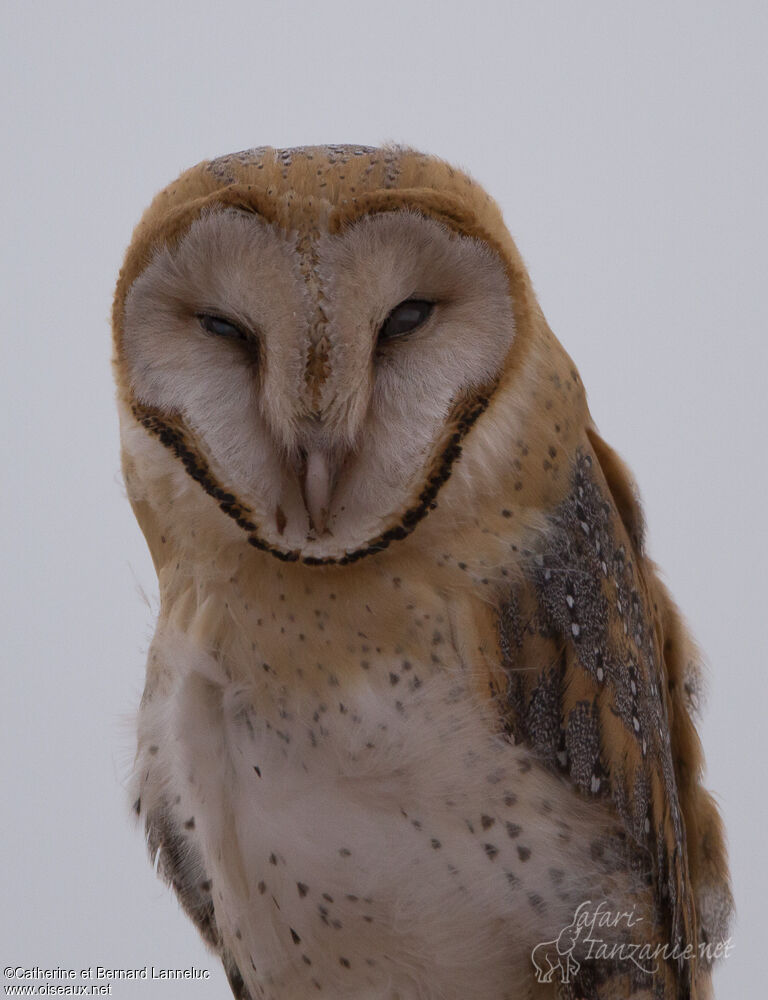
(345, 801)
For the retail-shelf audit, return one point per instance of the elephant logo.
(549, 957)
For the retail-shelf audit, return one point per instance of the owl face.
(322, 379)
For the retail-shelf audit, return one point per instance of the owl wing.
(180, 865)
(598, 676)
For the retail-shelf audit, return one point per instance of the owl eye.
(405, 317)
(221, 327)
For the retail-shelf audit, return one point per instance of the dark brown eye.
(405, 317)
(221, 327)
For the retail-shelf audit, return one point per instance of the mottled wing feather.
(179, 863)
(589, 682)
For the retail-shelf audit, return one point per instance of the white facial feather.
(383, 406)
(381, 261)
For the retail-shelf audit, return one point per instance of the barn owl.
(416, 697)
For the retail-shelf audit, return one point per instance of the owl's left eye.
(221, 327)
(405, 317)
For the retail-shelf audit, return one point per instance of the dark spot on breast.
(303, 889)
(487, 821)
(190, 823)
(295, 937)
(596, 850)
(491, 850)
(513, 829)
(536, 902)
(523, 852)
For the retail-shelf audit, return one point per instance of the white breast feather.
(379, 847)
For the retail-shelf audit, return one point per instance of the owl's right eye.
(221, 327)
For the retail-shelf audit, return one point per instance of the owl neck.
(278, 624)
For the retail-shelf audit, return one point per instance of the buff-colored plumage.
(416, 690)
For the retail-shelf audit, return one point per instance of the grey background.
(626, 145)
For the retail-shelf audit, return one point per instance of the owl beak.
(317, 490)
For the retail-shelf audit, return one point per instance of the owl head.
(305, 338)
